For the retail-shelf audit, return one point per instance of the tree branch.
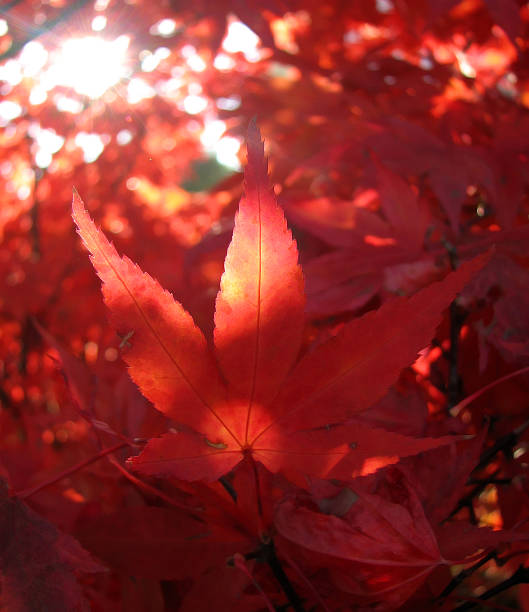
(34, 33)
(520, 576)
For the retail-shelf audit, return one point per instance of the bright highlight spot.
(193, 59)
(91, 144)
(23, 192)
(212, 133)
(90, 65)
(229, 104)
(150, 61)
(33, 58)
(99, 23)
(37, 96)
(223, 62)
(240, 39)
(384, 6)
(194, 104)
(133, 183)
(3, 27)
(165, 27)
(46, 143)
(196, 63)
(226, 150)
(67, 105)
(11, 73)
(139, 90)
(123, 137)
(426, 63)
(169, 88)
(8, 111)
(465, 67)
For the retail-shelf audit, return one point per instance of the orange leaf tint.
(343, 451)
(355, 368)
(259, 309)
(290, 418)
(168, 357)
(187, 455)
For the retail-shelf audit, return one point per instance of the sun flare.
(91, 65)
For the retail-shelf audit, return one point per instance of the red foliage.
(313, 393)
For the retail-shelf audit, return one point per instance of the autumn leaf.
(223, 590)
(150, 542)
(439, 491)
(38, 562)
(379, 546)
(262, 402)
(401, 207)
(386, 528)
(380, 533)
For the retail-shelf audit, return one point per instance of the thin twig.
(266, 554)
(29, 492)
(454, 387)
(33, 33)
(520, 576)
(468, 400)
(35, 214)
(153, 490)
(275, 565)
(464, 574)
(466, 500)
(309, 584)
(240, 562)
(505, 443)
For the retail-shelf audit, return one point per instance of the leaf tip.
(255, 144)
(253, 132)
(78, 207)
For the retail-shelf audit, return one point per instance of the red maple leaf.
(38, 563)
(251, 397)
(375, 537)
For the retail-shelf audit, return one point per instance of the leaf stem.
(240, 562)
(269, 555)
(468, 400)
(153, 490)
(257, 489)
(79, 466)
(309, 584)
(457, 317)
